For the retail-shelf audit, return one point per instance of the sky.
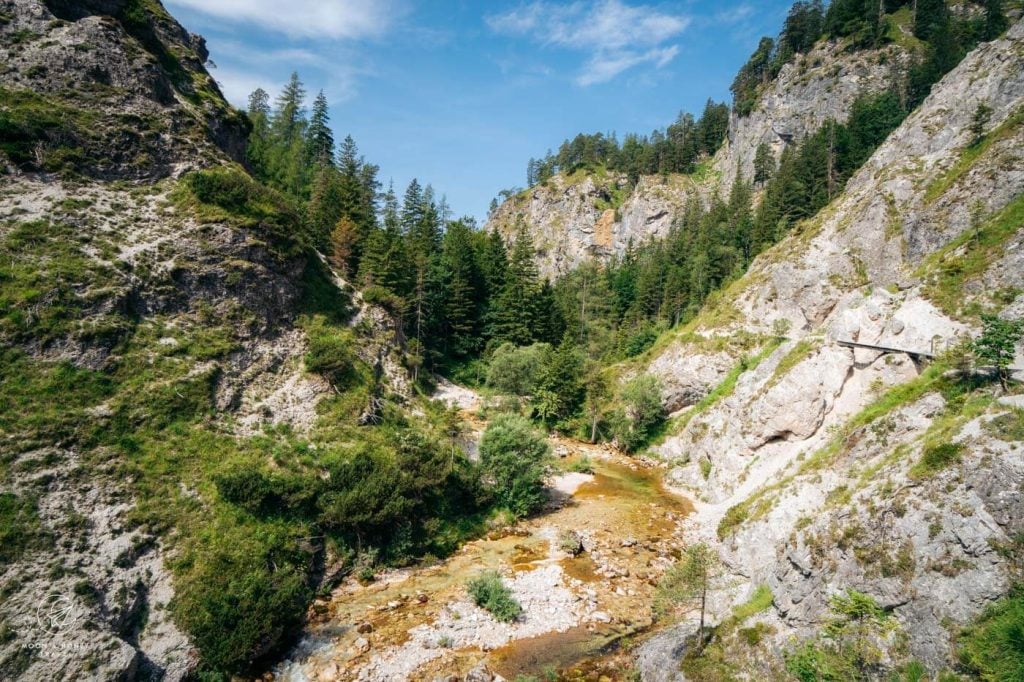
(462, 94)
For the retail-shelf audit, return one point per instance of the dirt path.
(419, 624)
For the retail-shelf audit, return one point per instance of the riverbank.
(419, 624)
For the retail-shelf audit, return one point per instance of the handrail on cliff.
(914, 355)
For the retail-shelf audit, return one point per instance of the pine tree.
(319, 138)
(515, 310)
(463, 291)
(995, 20)
(258, 151)
(324, 209)
(764, 164)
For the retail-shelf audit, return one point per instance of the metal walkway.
(914, 355)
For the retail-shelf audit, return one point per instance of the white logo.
(57, 612)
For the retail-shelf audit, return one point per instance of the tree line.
(677, 149)
(946, 39)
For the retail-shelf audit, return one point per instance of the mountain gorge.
(220, 455)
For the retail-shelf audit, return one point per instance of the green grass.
(993, 647)
(1008, 427)
(47, 283)
(20, 528)
(228, 195)
(948, 270)
(899, 29)
(970, 156)
(490, 593)
(794, 357)
(759, 602)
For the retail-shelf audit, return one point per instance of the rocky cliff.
(820, 468)
(146, 281)
(598, 215)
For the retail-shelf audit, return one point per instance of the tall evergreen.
(995, 20)
(515, 311)
(764, 164)
(324, 208)
(463, 291)
(319, 138)
(259, 149)
(288, 169)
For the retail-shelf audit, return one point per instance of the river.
(579, 612)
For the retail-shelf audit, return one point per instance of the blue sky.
(461, 94)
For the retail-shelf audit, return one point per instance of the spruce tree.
(764, 164)
(324, 208)
(259, 149)
(995, 20)
(287, 164)
(462, 291)
(515, 310)
(319, 138)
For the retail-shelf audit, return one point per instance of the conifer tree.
(995, 20)
(319, 138)
(324, 208)
(764, 164)
(463, 291)
(515, 312)
(288, 169)
(258, 151)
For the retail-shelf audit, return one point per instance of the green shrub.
(241, 591)
(642, 413)
(20, 529)
(246, 487)
(232, 190)
(582, 465)
(641, 341)
(514, 369)
(228, 194)
(385, 298)
(329, 353)
(937, 458)
(811, 663)
(994, 646)
(851, 645)
(489, 593)
(515, 458)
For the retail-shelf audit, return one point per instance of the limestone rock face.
(801, 487)
(597, 216)
(109, 112)
(131, 94)
(582, 217)
(810, 90)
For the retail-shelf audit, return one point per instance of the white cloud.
(602, 68)
(237, 84)
(305, 18)
(734, 14)
(616, 35)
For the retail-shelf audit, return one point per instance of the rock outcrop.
(811, 471)
(571, 219)
(105, 108)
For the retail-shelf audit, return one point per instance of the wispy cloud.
(616, 36)
(335, 19)
(735, 14)
(244, 68)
